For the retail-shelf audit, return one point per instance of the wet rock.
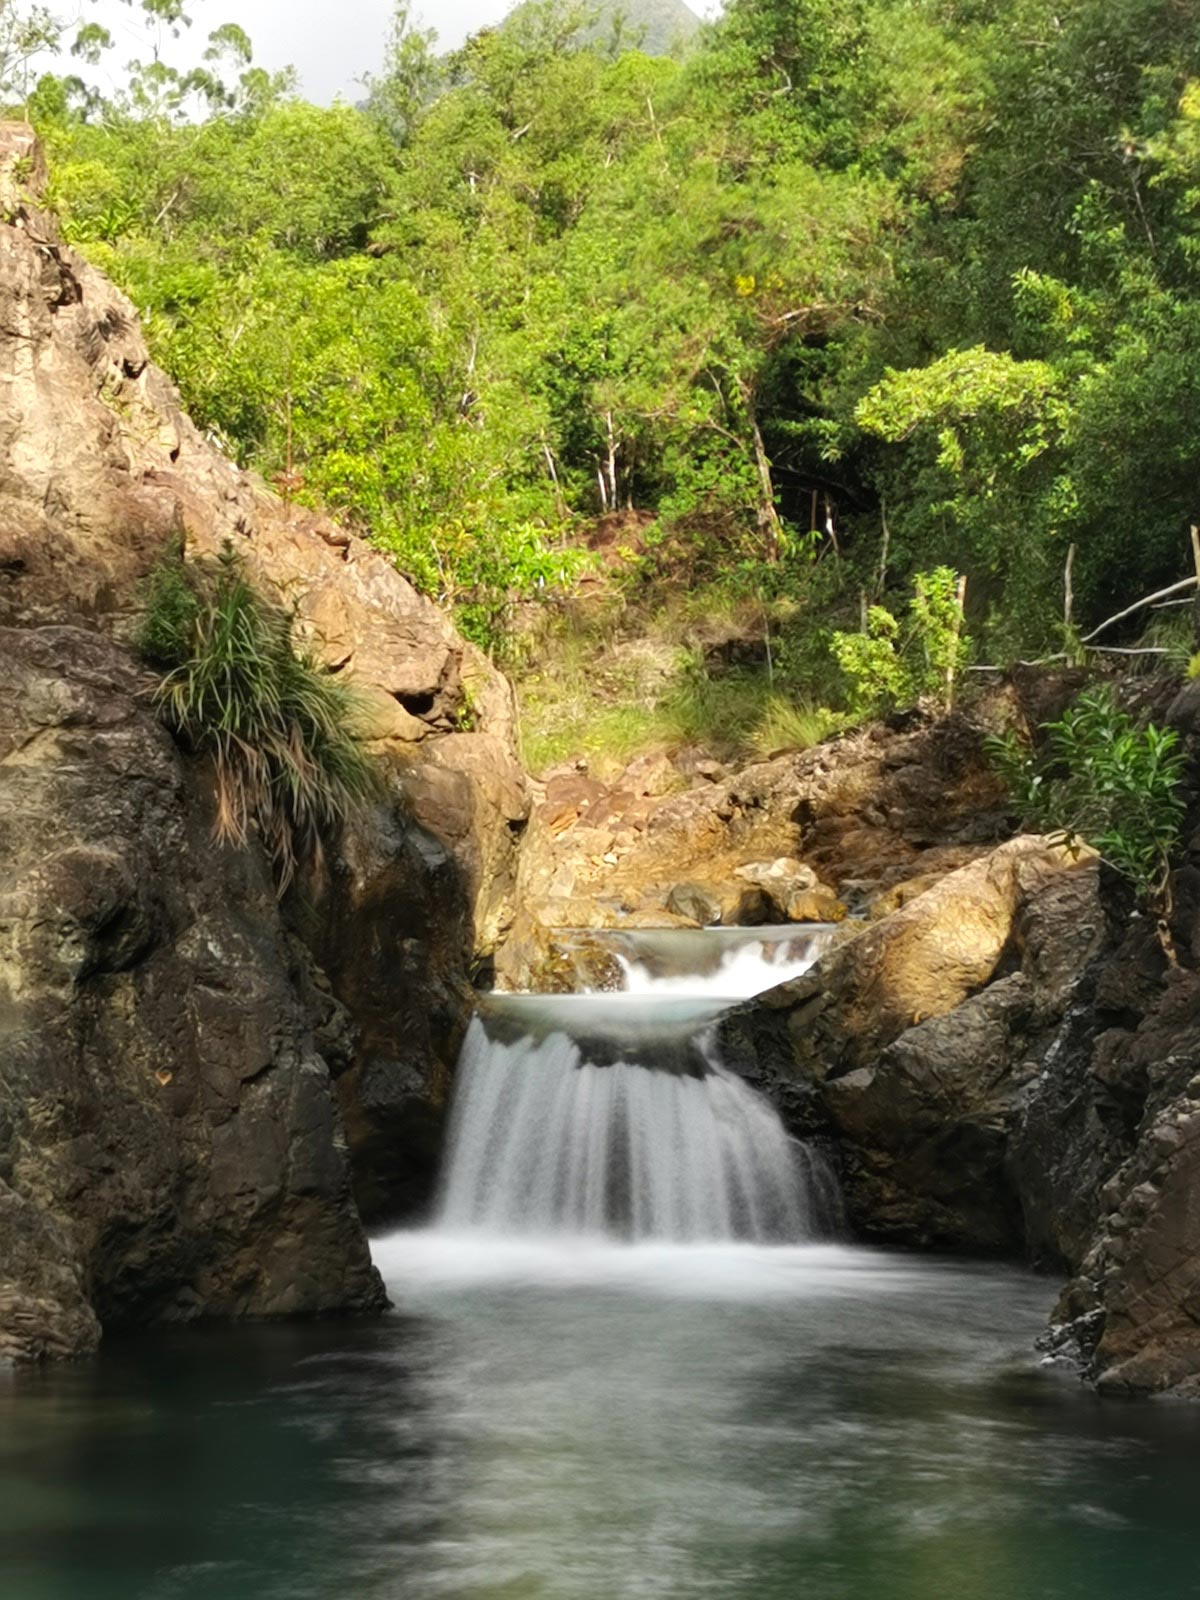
(45, 1313)
(387, 924)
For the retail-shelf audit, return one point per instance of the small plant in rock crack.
(1096, 776)
(237, 687)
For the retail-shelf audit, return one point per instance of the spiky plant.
(237, 688)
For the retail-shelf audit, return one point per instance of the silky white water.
(613, 1116)
(730, 963)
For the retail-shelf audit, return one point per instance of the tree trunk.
(612, 461)
(768, 517)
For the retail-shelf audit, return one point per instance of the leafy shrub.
(873, 664)
(888, 666)
(494, 575)
(236, 687)
(1100, 778)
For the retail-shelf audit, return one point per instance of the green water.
(604, 1424)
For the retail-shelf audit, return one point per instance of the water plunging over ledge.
(732, 963)
(613, 1115)
(563, 1410)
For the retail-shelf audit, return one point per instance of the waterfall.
(734, 963)
(613, 1115)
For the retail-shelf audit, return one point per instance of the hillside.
(655, 27)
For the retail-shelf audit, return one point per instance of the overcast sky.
(330, 45)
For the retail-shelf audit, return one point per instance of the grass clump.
(787, 724)
(582, 709)
(236, 687)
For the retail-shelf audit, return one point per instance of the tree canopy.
(891, 284)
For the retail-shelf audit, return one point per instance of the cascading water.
(613, 1115)
(733, 963)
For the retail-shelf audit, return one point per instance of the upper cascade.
(614, 1116)
(732, 963)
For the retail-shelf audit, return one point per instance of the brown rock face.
(171, 1134)
(911, 1038)
(169, 1139)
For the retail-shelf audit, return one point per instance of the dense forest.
(835, 294)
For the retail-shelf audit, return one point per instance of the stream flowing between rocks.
(631, 1357)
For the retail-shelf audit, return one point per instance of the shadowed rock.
(170, 1145)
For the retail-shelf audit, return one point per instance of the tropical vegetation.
(829, 296)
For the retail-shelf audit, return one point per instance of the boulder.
(782, 878)
(818, 904)
(699, 903)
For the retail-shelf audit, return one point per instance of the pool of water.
(541, 1421)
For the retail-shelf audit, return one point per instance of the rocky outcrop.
(1008, 1061)
(914, 1043)
(850, 821)
(184, 1066)
(169, 1138)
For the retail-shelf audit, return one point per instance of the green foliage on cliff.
(882, 285)
(235, 686)
(1095, 775)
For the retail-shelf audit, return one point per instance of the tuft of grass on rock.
(785, 724)
(235, 686)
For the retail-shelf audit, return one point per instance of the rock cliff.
(170, 1144)
(1009, 1063)
(194, 1081)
